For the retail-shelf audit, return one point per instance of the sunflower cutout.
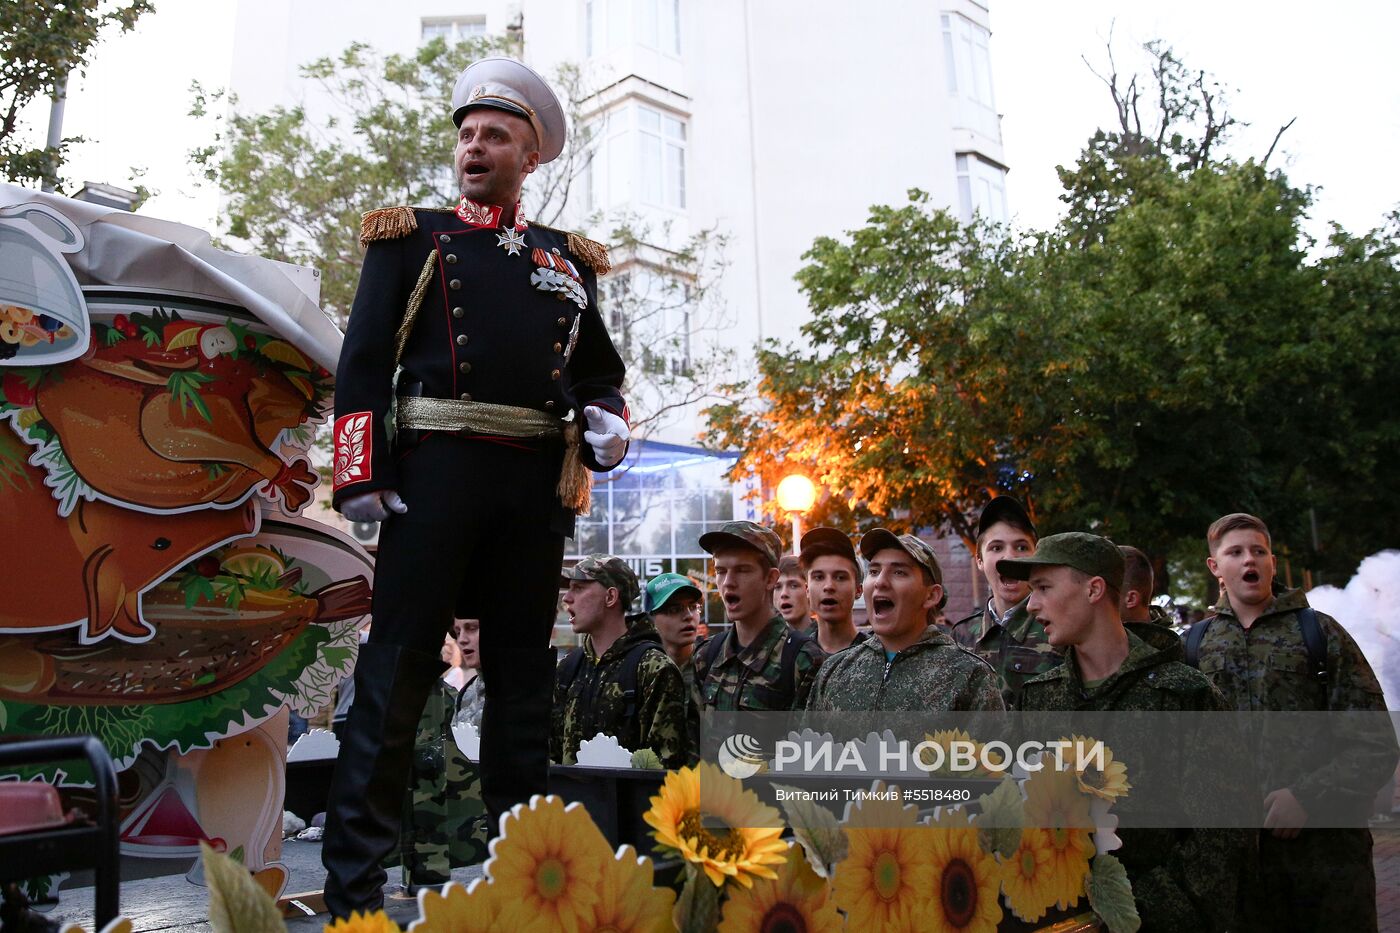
(945, 739)
(627, 901)
(726, 830)
(377, 922)
(1054, 804)
(1026, 876)
(875, 810)
(1107, 783)
(797, 901)
(457, 909)
(886, 880)
(546, 867)
(966, 879)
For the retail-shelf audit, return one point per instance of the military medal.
(559, 275)
(512, 241)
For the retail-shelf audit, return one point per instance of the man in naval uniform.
(477, 388)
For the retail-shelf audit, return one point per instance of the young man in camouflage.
(1138, 583)
(760, 664)
(1255, 651)
(674, 604)
(907, 664)
(790, 597)
(1183, 879)
(833, 578)
(620, 681)
(1003, 632)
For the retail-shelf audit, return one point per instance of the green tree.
(1166, 354)
(41, 43)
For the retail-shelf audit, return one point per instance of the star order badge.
(512, 241)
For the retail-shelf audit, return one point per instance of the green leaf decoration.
(1003, 814)
(646, 760)
(1111, 895)
(818, 831)
(184, 387)
(697, 909)
(236, 903)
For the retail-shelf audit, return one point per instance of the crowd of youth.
(1068, 626)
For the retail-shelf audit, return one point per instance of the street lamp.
(796, 494)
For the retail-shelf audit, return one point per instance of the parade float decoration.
(1026, 857)
(168, 590)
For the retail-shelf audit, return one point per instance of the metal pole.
(60, 96)
(796, 534)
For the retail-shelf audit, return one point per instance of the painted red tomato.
(17, 391)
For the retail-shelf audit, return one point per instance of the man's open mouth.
(731, 600)
(829, 604)
(477, 168)
(882, 605)
(1250, 576)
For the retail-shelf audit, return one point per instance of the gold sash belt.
(444, 414)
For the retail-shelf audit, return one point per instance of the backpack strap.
(1194, 636)
(568, 668)
(709, 654)
(627, 679)
(788, 663)
(1315, 639)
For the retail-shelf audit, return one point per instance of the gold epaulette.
(592, 252)
(387, 223)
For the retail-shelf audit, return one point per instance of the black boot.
(365, 807)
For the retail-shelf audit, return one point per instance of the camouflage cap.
(607, 570)
(1092, 554)
(663, 586)
(745, 534)
(822, 541)
(878, 539)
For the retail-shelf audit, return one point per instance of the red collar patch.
(487, 215)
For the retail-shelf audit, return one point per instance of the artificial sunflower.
(1107, 783)
(546, 867)
(710, 820)
(377, 922)
(1054, 804)
(1026, 875)
(797, 901)
(627, 900)
(457, 909)
(945, 738)
(886, 880)
(966, 880)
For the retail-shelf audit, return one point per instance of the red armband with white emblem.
(354, 446)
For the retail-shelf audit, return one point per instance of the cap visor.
(877, 540)
(711, 540)
(1022, 567)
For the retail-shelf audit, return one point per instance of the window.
(454, 28)
(661, 153)
(659, 25)
(968, 72)
(981, 189)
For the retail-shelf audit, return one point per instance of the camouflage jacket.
(931, 675)
(1183, 879)
(1266, 667)
(444, 816)
(594, 701)
(752, 678)
(1017, 650)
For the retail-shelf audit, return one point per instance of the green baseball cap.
(1092, 554)
(879, 539)
(663, 586)
(745, 534)
(607, 570)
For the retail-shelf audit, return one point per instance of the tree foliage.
(41, 43)
(1168, 353)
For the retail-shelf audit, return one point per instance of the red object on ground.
(28, 806)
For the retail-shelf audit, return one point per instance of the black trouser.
(484, 530)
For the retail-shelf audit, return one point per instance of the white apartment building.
(772, 121)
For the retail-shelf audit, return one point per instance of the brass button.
(466, 396)
(553, 375)
(465, 367)
(563, 322)
(458, 312)
(549, 406)
(444, 238)
(451, 257)
(558, 348)
(461, 340)
(455, 283)
(560, 295)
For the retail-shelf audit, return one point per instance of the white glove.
(373, 506)
(607, 434)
